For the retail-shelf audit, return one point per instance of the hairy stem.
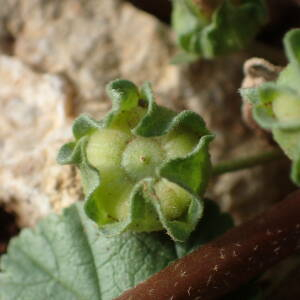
(247, 162)
(231, 260)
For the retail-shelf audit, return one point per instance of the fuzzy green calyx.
(143, 167)
(211, 28)
(276, 105)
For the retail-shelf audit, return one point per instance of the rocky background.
(56, 58)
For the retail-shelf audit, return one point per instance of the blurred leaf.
(229, 28)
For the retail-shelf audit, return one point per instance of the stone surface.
(93, 42)
(33, 124)
(88, 43)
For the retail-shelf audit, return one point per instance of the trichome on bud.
(143, 167)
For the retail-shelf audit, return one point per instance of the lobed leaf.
(65, 258)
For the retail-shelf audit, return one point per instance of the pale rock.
(84, 43)
(93, 42)
(33, 125)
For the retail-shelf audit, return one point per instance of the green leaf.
(225, 33)
(202, 35)
(187, 22)
(65, 257)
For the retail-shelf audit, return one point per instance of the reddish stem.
(229, 261)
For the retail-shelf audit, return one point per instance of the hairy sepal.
(276, 105)
(144, 211)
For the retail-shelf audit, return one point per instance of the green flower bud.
(143, 167)
(207, 28)
(276, 105)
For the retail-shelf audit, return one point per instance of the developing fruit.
(143, 167)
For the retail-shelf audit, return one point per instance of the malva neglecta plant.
(144, 171)
(144, 167)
